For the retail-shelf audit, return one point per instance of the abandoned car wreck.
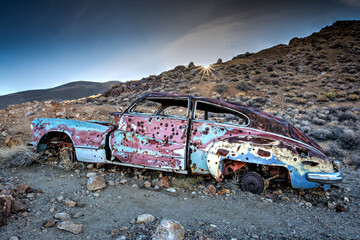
(197, 136)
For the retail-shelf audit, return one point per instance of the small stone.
(223, 191)
(269, 195)
(99, 165)
(340, 208)
(169, 230)
(90, 166)
(96, 194)
(123, 181)
(111, 183)
(91, 174)
(23, 188)
(29, 113)
(78, 215)
(170, 190)
(331, 205)
(19, 205)
(13, 238)
(114, 231)
(147, 184)
(213, 225)
(164, 182)
(268, 200)
(71, 227)
(307, 204)
(123, 228)
(48, 223)
(346, 199)
(60, 198)
(285, 198)
(134, 185)
(96, 183)
(145, 218)
(70, 203)
(277, 192)
(30, 195)
(210, 190)
(62, 216)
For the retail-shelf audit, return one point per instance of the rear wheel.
(252, 182)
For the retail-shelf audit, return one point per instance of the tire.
(252, 182)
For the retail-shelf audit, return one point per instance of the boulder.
(169, 230)
(96, 183)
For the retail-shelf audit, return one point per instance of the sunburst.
(206, 71)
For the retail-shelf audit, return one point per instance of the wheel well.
(54, 140)
(274, 172)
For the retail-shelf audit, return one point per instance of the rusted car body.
(194, 135)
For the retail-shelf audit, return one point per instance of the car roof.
(258, 119)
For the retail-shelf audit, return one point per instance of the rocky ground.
(312, 82)
(206, 209)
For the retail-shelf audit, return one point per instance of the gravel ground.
(278, 213)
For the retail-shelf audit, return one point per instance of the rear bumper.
(326, 178)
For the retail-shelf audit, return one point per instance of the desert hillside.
(313, 82)
(69, 91)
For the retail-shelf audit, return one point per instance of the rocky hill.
(69, 91)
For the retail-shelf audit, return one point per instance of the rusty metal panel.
(87, 135)
(148, 140)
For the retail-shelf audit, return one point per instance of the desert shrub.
(257, 102)
(348, 115)
(334, 151)
(16, 156)
(274, 74)
(349, 139)
(321, 134)
(243, 86)
(321, 98)
(318, 121)
(221, 89)
(300, 100)
(330, 95)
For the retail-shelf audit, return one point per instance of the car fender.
(262, 151)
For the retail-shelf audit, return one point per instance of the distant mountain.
(69, 91)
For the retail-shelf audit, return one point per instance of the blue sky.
(47, 43)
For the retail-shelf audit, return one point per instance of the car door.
(153, 133)
(211, 122)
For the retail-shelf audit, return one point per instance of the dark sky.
(47, 43)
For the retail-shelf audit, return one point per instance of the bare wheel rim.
(252, 182)
(66, 154)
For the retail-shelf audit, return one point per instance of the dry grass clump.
(353, 97)
(17, 156)
(321, 98)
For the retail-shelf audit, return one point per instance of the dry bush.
(221, 89)
(17, 156)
